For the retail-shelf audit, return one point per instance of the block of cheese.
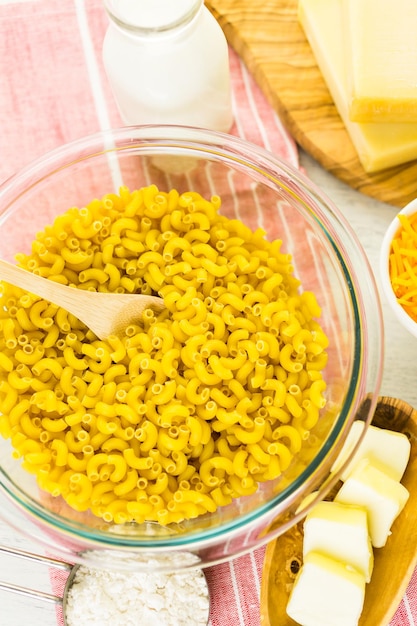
(326, 592)
(383, 497)
(381, 54)
(388, 450)
(340, 531)
(378, 145)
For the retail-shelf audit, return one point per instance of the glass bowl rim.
(245, 154)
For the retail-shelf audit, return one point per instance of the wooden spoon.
(104, 313)
(394, 563)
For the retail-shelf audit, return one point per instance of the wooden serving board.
(272, 44)
(393, 564)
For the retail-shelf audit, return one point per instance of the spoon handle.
(31, 593)
(103, 313)
(47, 289)
(37, 558)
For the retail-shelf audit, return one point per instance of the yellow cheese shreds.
(403, 264)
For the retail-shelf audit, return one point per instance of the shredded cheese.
(403, 264)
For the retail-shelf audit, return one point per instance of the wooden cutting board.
(394, 564)
(267, 36)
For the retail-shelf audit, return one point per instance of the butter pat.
(378, 145)
(326, 593)
(386, 449)
(383, 497)
(340, 531)
(381, 54)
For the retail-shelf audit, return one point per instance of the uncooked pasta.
(192, 406)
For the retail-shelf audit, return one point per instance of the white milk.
(167, 63)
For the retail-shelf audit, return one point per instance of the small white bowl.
(392, 230)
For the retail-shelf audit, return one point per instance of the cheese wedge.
(388, 450)
(326, 593)
(381, 55)
(340, 531)
(378, 145)
(383, 497)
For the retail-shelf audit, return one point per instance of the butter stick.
(387, 449)
(383, 497)
(326, 592)
(340, 531)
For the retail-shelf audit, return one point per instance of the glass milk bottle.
(167, 63)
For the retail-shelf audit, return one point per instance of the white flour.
(103, 598)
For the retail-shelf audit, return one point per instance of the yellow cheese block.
(383, 497)
(378, 145)
(340, 531)
(326, 592)
(381, 56)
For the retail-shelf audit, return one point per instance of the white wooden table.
(369, 218)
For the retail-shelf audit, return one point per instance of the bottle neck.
(152, 17)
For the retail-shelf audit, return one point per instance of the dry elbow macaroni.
(193, 406)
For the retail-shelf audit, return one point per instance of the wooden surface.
(272, 44)
(394, 563)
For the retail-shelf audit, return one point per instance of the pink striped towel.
(56, 91)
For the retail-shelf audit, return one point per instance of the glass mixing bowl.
(263, 192)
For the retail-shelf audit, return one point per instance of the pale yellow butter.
(383, 497)
(340, 531)
(378, 145)
(387, 449)
(381, 59)
(326, 592)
